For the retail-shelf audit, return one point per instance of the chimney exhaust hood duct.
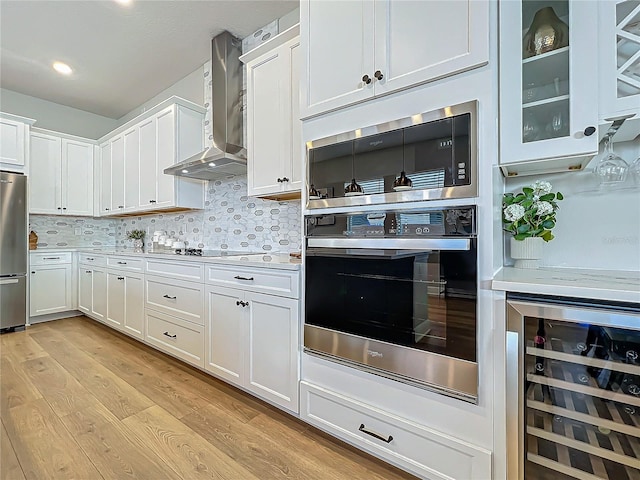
(227, 156)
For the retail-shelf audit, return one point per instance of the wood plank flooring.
(79, 400)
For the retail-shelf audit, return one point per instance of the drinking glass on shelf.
(530, 128)
(530, 93)
(611, 169)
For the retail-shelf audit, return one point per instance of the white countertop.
(281, 261)
(618, 286)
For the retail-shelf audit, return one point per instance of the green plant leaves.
(531, 225)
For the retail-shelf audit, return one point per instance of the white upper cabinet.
(131, 169)
(105, 179)
(134, 158)
(117, 174)
(548, 113)
(274, 141)
(61, 175)
(619, 42)
(355, 50)
(14, 142)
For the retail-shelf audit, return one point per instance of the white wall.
(54, 116)
(597, 227)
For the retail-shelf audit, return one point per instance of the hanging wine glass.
(402, 182)
(353, 189)
(611, 169)
(635, 171)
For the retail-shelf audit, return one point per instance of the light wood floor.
(78, 400)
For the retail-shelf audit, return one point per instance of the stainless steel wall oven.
(427, 156)
(394, 292)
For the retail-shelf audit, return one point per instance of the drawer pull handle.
(51, 258)
(122, 263)
(241, 303)
(374, 434)
(169, 335)
(169, 297)
(90, 259)
(238, 277)
(88, 271)
(120, 278)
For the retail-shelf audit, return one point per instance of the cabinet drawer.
(176, 297)
(264, 280)
(126, 263)
(92, 259)
(420, 450)
(182, 270)
(52, 258)
(175, 337)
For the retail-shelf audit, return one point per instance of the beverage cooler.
(573, 389)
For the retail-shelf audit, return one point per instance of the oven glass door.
(422, 299)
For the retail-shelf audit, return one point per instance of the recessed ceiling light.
(212, 164)
(185, 171)
(123, 2)
(62, 68)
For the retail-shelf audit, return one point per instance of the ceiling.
(122, 55)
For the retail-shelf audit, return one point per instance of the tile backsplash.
(60, 231)
(230, 221)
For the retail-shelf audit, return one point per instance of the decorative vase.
(137, 245)
(546, 33)
(526, 253)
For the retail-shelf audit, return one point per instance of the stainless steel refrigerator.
(13, 250)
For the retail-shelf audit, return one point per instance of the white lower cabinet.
(422, 451)
(252, 341)
(92, 291)
(50, 289)
(175, 336)
(125, 302)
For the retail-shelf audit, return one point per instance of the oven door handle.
(393, 243)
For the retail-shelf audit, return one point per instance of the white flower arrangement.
(531, 213)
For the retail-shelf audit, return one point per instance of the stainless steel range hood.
(227, 156)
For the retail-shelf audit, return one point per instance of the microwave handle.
(392, 243)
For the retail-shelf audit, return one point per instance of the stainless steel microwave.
(427, 156)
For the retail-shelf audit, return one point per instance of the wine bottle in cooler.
(539, 341)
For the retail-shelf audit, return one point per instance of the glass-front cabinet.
(548, 81)
(619, 41)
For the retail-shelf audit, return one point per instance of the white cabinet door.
(417, 42)
(131, 169)
(77, 178)
(147, 181)
(105, 178)
(166, 156)
(134, 305)
(45, 174)
(117, 174)
(99, 293)
(85, 288)
(338, 39)
(274, 138)
(619, 43)
(272, 355)
(12, 142)
(50, 289)
(547, 107)
(224, 332)
(266, 122)
(115, 299)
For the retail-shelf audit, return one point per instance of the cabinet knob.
(279, 180)
(64, 208)
(589, 131)
(59, 208)
(366, 79)
(120, 278)
(107, 209)
(285, 179)
(378, 75)
(33, 272)
(119, 206)
(152, 201)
